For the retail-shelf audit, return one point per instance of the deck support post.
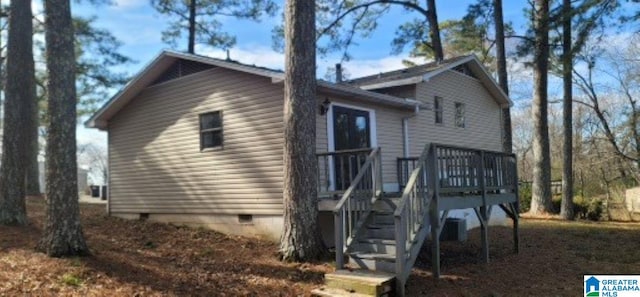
(485, 236)
(512, 211)
(483, 215)
(434, 213)
(434, 216)
(339, 231)
(484, 230)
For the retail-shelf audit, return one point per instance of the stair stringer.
(414, 250)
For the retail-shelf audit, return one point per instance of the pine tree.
(566, 206)
(20, 96)
(62, 234)
(301, 237)
(541, 188)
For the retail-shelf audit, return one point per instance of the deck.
(384, 231)
(459, 184)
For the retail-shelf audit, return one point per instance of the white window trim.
(331, 146)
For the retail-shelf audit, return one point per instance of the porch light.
(324, 106)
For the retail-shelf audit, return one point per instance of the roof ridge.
(418, 69)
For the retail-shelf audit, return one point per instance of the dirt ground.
(134, 258)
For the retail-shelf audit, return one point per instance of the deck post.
(434, 213)
(484, 221)
(401, 239)
(339, 230)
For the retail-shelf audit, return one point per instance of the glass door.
(351, 131)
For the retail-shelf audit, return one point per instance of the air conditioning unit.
(455, 229)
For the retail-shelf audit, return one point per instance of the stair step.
(362, 282)
(386, 204)
(374, 261)
(377, 256)
(382, 217)
(381, 232)
(375, 245)
(376, 225)
(378, 241)
(392, 194)
(332, 292)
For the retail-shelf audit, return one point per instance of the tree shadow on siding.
(163, 169)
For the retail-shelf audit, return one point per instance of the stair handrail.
(411, 214)
(351, 212)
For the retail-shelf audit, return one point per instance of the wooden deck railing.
(356, 203)
(404, 168)
(444, 170)
(337, 170)
(411, 215)
(461, 170)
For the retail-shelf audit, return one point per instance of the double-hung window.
(437, 109)
(460, 118)
(211, 130)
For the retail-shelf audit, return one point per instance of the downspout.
(405, 131)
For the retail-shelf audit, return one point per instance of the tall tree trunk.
(566, 207)
(62, 234)
(503, 79)
(20, 91)
(192, 26)
(31, 131)
(434, 30)
(301, 237)
(31, 128)
(3, 15)
(32, 149)
(541, 188)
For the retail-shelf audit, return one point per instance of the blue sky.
(139, 27)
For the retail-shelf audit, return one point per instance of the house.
(198, 140)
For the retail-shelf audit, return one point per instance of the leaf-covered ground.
(133, 258)
(554, 256)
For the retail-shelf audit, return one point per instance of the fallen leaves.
(134, 258)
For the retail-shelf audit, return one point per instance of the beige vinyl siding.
(390, 141)
(156, 165)
(388, 133)
(482, 114)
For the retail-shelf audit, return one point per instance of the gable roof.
(166, 58)
(421, 73)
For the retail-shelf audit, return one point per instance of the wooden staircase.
(381, 234)
(372, 256)
(375, 248)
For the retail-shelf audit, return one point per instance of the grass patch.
(71, 279)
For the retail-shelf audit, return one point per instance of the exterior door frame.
(331, 145)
